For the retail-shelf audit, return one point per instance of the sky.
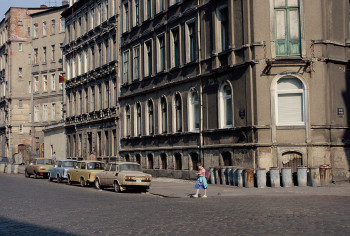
(6, 4)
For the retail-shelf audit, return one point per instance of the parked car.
(59, 171)
(84, 172)
(39, 167)
(4, 160)
(123, 175)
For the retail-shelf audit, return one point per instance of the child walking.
(201, 182)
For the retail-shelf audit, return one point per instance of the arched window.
(226, 159)
(138, 158)
(225, 106)
(178, 161)
(127, 121)
(178, 113)
(290, 101)
(139, 120)
(194, 161)
(149, 161)
(163, 161)
(164, 115)
(150, 118)
(194, 111)
(127, 158)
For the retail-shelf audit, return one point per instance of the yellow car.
(39, 167)
(84, 172)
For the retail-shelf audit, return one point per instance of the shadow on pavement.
(12, 227)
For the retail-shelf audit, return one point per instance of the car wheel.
(26, 174)
(35, 175)
(97, 184)
(117, 187)
(69, 181)
(50, 179)
(59, 180)
(82, 182)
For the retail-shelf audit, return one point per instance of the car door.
(82, 171)
(104, 175)
(58, 169)
(111, 174)
(75, 172)
(30, 167)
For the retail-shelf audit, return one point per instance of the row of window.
(91, 58)
(90, 19)
(160, 60)
(46, 83)
(91, 99)
(49, 112)
(53, 54)
(47, 29)
(290, 110)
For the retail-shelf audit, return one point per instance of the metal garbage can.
(212, 176)
(275, 177)
(230, 176)
(325, 175)
(8, 168)
(2, 167)
(223, 176)
(239, 177)
(261, 178)
(248, 178)
(287, 177)
(315, 176)
(302, 176)
(15, 169)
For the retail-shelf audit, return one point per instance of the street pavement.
(38, 207)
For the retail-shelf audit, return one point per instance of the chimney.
(43, 6)
(65, 3)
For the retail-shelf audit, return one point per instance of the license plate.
(138, 180)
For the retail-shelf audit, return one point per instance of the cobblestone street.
(38, 207)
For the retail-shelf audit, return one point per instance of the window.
(44, 54)
(20, 47)
(115, 48)
(107, 52)
(28, 31)
(86, 21)
(80, 28)
(93, 105)
(53, 82)
(53, 113)
(175, 48)
(20, 23)
(150, 118)
(74, 66)
(225, 106)
(128, 121)
(92, 21)
(191, 42)
(21, 129)
(53, 27)
(125, 67)
(178, 113)
(20, 72)
(287, 27)
(290, 101)
(107, 94)
(136, 12)
(93, 58)
(20, 103)
(81, 102)
(86, 101)
(160, 5)
(44, 28)
(35, 61)
(125, 17)
(164, 115)
(139, 119)
(148, 58)
(99, 54)
(35, 30)
(36, 113)
(148, 9)
(194, 111)
(29, 86)
(69, 75)
(136, 63)
(45, 112)
(99, 14)
(45, 83)
(172, 2)
(36, 84)
(100, 98)
(53, 52)
(161, 54)
(107, 10)
(86, 61)
(62, 25)
(222, 28)
(80, 64)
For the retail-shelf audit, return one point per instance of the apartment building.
(91, 53)
(15, 67)
(253, 84)
(48, 34)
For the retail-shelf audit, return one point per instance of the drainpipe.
(200, 85)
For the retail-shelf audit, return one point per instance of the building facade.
(91, 54)
(252, 84)
(48, 33)
(15, 67)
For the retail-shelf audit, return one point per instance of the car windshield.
(68, 163)
(44, 162)
(130, 167)
(96, 166)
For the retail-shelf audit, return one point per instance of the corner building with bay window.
(252, 84)
(91, 53)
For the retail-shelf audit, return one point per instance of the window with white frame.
(80, 64)
(99, 14)
(74, 66)
(62, 25)
(53, 112)
(45, 116)
(44, 28)
(175, 47)
(127, 121)
(160, 53)
(36, 83)
(93, 101)
(125, 67)
(35, 34)
(290, 99)
(35, 58)
(28, 31)
(150, 118)
(125, 17)
(30, 117)
(53, 26)
(20, 48)
(86, 61)
(194, 111)
(136, 62)
(160, 5)
(53, 82)
(20, 72)
(62, 111)
(29, 86)
(136, 12)
(92, 18)
(45, 83)
(138, 120)
(222, 28)
(44, 55)
(21, 129)
(191, 41)
(69, 74)
(20, 103)
(225, 106)
(107, 10)
(147, 9)
(148, 59)
(36, 113)
(108, 57)
(53, 52)
(178, 112)
(164, 115)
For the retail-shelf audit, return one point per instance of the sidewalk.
(178, 188)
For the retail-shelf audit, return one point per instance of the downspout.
(200, 85)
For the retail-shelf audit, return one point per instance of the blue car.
(59, 171)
